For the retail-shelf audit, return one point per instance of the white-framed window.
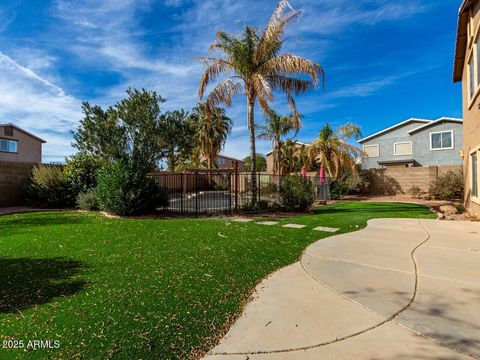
(471, 77)
(474, 164)
(442, 140)
(402, 148)
(477, 46)
(8, 145)
(371, 151)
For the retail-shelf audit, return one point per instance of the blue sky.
(385, 60)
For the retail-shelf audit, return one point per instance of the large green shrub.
(87, 200)
(125, 189)
(448, 186)
(48, 187)
(297, 193)
(80, 171)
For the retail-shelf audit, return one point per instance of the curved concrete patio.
(398, 289)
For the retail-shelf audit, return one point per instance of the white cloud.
(39, 106)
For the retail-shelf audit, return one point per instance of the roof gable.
(435, 123)
(24, 131)
(394, 127)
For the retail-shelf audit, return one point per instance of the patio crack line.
(346, 337)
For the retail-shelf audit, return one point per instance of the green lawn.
(145, 288)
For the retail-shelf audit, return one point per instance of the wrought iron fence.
(210, 192)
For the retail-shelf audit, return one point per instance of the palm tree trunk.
(253, 153)
(279, 162)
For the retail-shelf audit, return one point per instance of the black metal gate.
(222, 191)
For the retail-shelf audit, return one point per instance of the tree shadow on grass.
(27, 282)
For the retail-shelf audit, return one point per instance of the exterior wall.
(426, 157)
(399, 180)
(12, 179)
(229, 163)
(270, 164)
(386, 141)
(29, 149)
(471, 118)
(421, 152)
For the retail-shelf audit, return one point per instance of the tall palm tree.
(275, 128)
(252, 65)
(332, 150)
(213, 129)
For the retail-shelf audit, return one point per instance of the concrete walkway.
(399, 289)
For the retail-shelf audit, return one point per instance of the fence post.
(258, 186)
(236, 185)
(181, 193)
(196, 193)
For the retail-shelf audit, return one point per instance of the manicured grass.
(145, 288)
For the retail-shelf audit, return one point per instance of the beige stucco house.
(226, 162)
(18, 145)
(467, 70)
(270, 159)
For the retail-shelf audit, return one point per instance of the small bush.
(448, 186)
(80, 171)
(123, 189)
(87, 200)
(338, 189)
(297, 193)
(416, 192)
(261, 206)
(48, 187)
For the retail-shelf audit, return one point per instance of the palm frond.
(285, 83)
(215, 67)
(292, 64)
(270, 42)
(223, 93)
(263, 91)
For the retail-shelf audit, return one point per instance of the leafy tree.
(253, 65)
(80, 170)
(179, 137)
(261, 163)
(275, 128)
(332, 150)
(99, 133)
(213, 128)
(131, 130)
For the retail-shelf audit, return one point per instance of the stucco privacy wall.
(399, 180)
(12, 178)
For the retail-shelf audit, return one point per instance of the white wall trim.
(402, 142)
(441, 132)
(372, 145)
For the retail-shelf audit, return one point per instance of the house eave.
(461, 41)
(24, 131)
(436, 122)
(400, 124)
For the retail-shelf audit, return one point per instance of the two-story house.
(18, 145)
(467, 70)
(415, 142)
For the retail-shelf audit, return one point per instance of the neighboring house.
(467, 70)
(18, 145)
(270, 160)
(225, 162)
(415, 142)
